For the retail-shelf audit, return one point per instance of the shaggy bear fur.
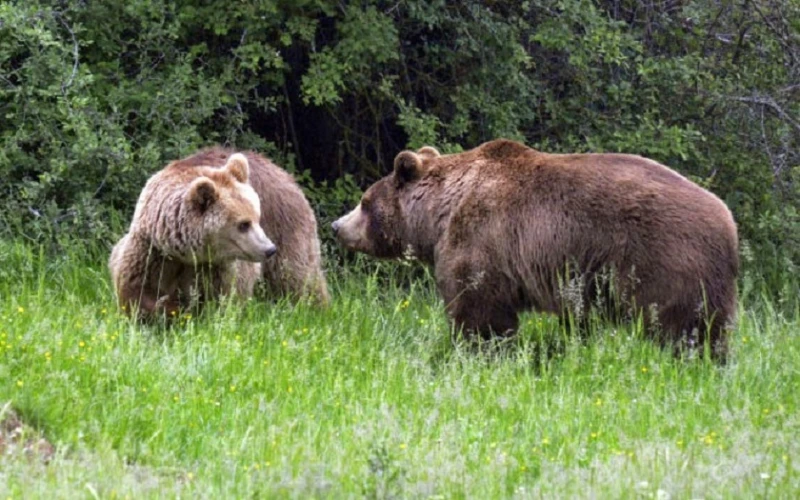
(508, 228)
(200, 230)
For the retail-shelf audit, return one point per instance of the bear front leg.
(143, 279)
(476, 316)
(478, 303)
(148, 306)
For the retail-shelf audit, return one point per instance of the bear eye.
(244, 226)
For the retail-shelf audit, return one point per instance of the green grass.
(371, 399)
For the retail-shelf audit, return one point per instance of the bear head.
(379, 225)
(221, 214)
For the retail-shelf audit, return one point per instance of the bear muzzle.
(350, 231)
(260, 246)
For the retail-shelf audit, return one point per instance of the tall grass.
(371, 398)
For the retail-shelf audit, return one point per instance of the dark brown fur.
(508, 228)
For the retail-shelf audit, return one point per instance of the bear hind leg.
(685, 327)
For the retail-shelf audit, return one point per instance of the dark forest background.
(96, 95)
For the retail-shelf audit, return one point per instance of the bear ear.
(429, 151)
(407, 167)
(238, 167)
(202, 193)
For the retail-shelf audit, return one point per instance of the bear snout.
(271, 250)
(336, 225)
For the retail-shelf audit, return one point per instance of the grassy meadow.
(371, 398)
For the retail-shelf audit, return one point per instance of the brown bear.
(508, 228)
(200, 230)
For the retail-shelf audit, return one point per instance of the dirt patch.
(18, 438)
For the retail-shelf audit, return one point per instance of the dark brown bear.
(508, 228)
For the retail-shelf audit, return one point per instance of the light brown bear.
(508, 228)
(200, 231)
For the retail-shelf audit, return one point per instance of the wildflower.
(644, 369)
(81, 343)
(189, 476)
(594, 435)
(402, 446)
(289, 389)
(545, 442)
(233, 388)
(285, 343)
(20, 383)
(20, 309)
(103, 311)
(598, 402)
